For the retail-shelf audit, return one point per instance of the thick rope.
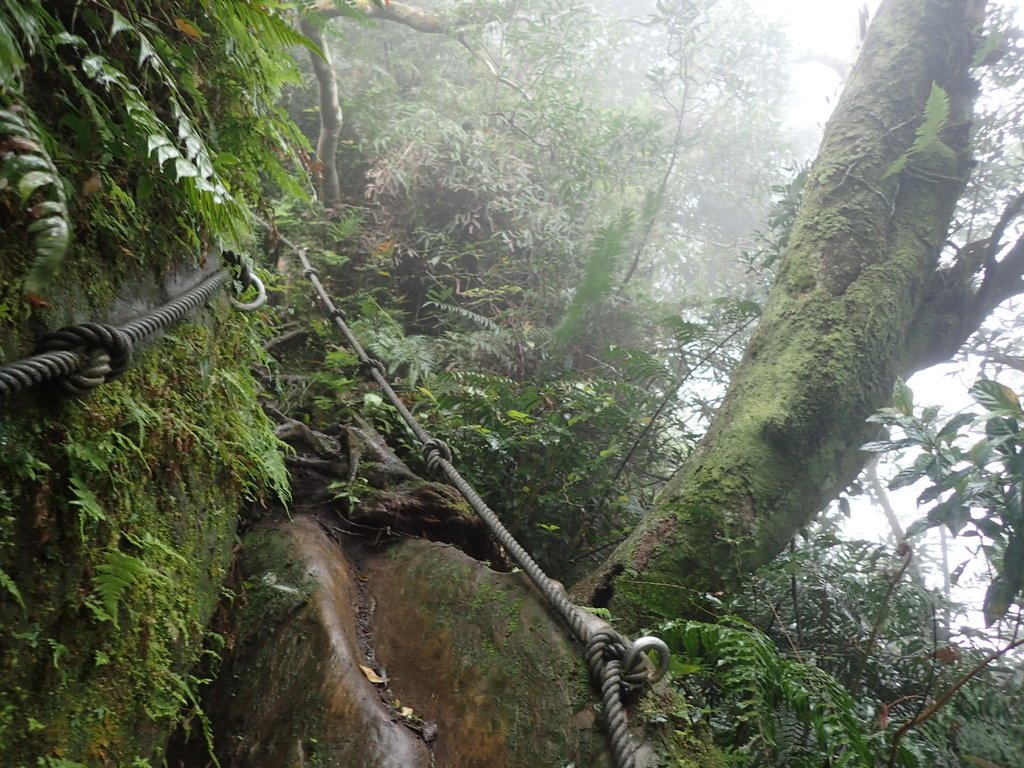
(605, 649)
(78, 358)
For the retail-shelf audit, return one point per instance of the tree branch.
(400, 13)
(952, 309)
(940, 702)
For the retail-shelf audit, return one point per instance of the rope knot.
(636, 668)
(107, 348)
(434, 451)
(603, 646)
(607, 645)
(369, 365)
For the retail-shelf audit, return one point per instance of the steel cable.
(605, 649)
(80, 357)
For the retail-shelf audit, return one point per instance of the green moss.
(119, 517)
(505, 653)
(274, 582)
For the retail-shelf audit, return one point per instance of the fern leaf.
(466, 314)
(636, 365)
(26, 165)
(597, 279)
(936, 115)
(927, 137)
(18, 20)
(115, 575)
(762, 684)
(11, 588)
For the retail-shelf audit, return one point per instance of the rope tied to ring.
(247, 279)
(80, 357)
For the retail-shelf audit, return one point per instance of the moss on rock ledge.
(117, 527)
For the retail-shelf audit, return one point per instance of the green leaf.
(990, 528)
(952, 512)
(952, 427)
(1013, 563)
(33, 180)
(998, 599)
(519, 416)
(119, 24)
(184, 169)
(920, 525)
(911, 475)
(903, 398)
(996, 397)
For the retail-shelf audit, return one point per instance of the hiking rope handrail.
(78, 358)
(616, 663)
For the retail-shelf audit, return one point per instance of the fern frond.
(936, 115)
(11, 588)
(760, 682)
(185, 157)
(636, 365)
(461, 384)
(466, 314)
(597, 278)
(415, 356)
(248, 23)
(114, 577)
(11, 60)
(927, 137)
(21, 30)
(26, 165)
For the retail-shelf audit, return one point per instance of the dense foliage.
(560, 271)
(502, 236)
(149, 104)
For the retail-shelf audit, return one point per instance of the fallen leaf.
(372, 676)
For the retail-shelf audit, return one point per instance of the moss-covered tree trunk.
(840, 326)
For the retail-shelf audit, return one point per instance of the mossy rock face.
(413, 657)
(117, 525)
(479, 653)
(291, 691)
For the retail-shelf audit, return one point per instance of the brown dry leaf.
(372, 676)
(92, 185)
(187, 28)
(947, 654)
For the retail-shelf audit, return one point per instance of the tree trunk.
(836, 331)
(330, 111)
(312, 24)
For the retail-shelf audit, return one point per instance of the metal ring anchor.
(259, 301)
(648, 643)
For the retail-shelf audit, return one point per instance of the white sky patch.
(824, 39)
